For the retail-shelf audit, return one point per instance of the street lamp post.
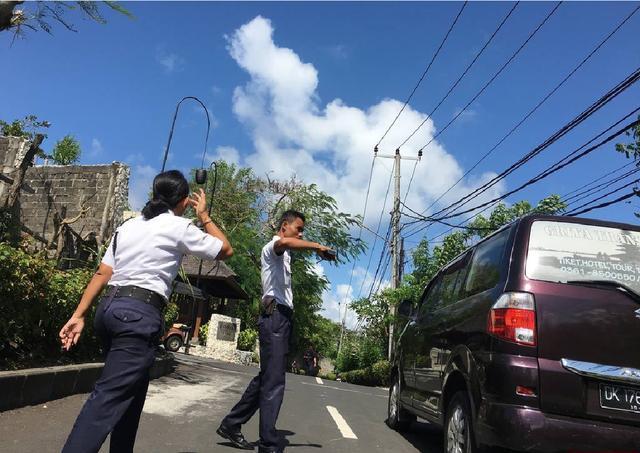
(173, 124)
(201, 178)
(193, 310)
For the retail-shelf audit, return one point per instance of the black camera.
(201, 175)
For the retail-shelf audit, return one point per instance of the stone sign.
(223, 337)
(226, 331)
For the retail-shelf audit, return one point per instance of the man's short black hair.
(290, 216)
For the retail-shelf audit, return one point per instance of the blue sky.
(308, 88)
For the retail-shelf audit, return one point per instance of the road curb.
(38, 385)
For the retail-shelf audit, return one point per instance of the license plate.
(620, 398)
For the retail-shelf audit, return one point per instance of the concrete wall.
(96, 194)
(100, 192)
(12, 152)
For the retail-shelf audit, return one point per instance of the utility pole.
(396, 248)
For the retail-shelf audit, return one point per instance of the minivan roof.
(530, 218)
(571, 219)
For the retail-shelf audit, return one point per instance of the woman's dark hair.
(169, 188)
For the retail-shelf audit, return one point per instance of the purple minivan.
(529, 340)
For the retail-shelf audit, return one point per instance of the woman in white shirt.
(139, 266)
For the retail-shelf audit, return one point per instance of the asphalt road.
(183, 410)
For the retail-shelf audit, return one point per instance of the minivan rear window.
(562, 251)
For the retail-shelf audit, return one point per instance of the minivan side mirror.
(405, 308)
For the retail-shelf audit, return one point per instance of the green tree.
(632, 150)
(27, 128)
(66, 151)
(16, 16)
(247, 208)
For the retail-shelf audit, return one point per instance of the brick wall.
(99, 192)
(96, 194)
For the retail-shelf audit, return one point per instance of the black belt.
(144, 295)
(285, 310)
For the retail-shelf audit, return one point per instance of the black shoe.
(236, 438)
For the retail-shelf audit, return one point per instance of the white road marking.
(344, 428)
(344, 390)
(319, 381)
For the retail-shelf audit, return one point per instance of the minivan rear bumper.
(527, 429)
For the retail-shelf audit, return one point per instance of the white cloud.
(140, 185)
(96, 148)
(338, 51)
(336, 297)
(330, 145)
(333, 303)
(134, 158)
(170, 61)
(227, 153)
(465, 115)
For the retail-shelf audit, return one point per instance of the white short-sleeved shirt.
(276, 274)
(149, 252)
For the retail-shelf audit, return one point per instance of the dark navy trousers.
(130, 329)
(266, 390)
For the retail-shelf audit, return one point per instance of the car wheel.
(173, 343)
(398, 418)
(458, 427)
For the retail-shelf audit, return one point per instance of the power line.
(578, 209)
(468, 219)
(364, 213)
(382, 255)
(384, 271)
(604, 205)
(435, 55)
(537, 106)
(406, 194)
(598, 188)
(567, 197)
(558, 165)
(502, 68)
(432, 240)
(419, 217)
(601, 102)
(384, 205)
(455, 84)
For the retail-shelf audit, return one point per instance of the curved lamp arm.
(173, 123)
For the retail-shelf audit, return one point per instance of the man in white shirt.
(266, 390)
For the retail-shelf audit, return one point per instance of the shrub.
(359, 352)
(375, 375)
(247, 339)
(348, 357)
(328, 376)
(170, 315)
(380, 371)
(36, 300)
(66, 151)
(370, 352)
(203, 334)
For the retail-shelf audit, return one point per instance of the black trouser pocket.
(126, 315)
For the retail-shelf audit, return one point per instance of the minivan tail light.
(513, 318)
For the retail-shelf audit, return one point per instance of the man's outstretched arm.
(283, 244)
